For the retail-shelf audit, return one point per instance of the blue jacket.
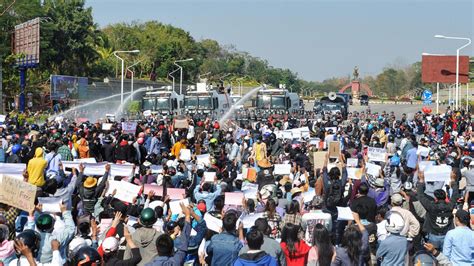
(224, 249)
(260, 258)
(207, 196)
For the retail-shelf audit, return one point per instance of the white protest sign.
(352, 162)
(107, 126)
(175, 193)
(376, 154)
(203, 159)
(423, 165)
(438, 173)
(249, 220)
(50, 204)
(121, 170)
(2, 118)
(185, 155)
(12, 168)
(250, 190)
(354, 173)
(156, 169)
(282, 169)
(147, 113)
(213, 223)
(296, 134)
(86, 160)
(209, 176)
(314, 141)
(287, 134)
(129, 127)
(423, 151)
(344, 214)
(373, 169)
(125, 191)
(233, 198)
(175, 206)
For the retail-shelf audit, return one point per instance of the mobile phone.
(68, 169)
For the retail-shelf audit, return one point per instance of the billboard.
(442, 68)
(27, 41)
(68, 87)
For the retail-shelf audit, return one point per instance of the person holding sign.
(439, 213)
(203, 192)
(89, 191)
(259, 150)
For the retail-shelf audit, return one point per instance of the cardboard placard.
(17, 193)
(181, 123)
(334, 149)
(318, 159)
(129, 127)
(233, 198)
(376, 154)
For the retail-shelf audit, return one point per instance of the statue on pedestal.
(355, 74)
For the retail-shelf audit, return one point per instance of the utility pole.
(1, 85)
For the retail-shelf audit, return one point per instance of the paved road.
(398, 109)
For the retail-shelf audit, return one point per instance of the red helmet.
(200, 123)
(216, 125)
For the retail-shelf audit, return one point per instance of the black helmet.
(147, 217)
(45, 222)
(108, 139)
(31, 239)
(86, 256)
(391, 138)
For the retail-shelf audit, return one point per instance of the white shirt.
(56, 261)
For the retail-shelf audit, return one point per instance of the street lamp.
(457, 60)
(172, 77)
(133, 73)
(181, 73)
(121, 59)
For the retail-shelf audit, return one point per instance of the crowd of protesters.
(397, 218)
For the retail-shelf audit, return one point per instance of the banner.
(17, 193)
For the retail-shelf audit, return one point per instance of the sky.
(316, 39)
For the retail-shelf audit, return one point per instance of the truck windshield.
(148, 104)
(278, 102)
(263, 101)
(205, 103)
(163, 103)
(190, 102)
(331, 106)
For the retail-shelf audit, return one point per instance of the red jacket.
(301, 256)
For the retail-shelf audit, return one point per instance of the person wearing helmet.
(107, 149)
(44, 224)
(110, 247)
(27, 246)
(86, 256)
(14, 158)
(393, 249)
(144, 237)
(168, 253)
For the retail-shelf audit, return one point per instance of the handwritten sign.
(334, 149)
(17, 193)
(249, 173)
(376, 154)
(129, 127)
(233, 198)
(282, 169)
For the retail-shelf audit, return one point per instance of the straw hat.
(265, 163)
(90, 182)
(296, 190)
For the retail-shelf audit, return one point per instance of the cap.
(379, 182)
(397, 199)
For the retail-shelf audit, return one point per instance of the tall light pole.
(181, 73)
(457, 60)
(121, 59)
(133, 73)
(172, 77)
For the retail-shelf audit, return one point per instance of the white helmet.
(75, 245)
(395, 222)
(110, 244)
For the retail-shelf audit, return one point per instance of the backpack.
(334, 195)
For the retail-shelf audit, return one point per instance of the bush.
(133, 107)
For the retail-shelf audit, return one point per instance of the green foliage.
(133, 107)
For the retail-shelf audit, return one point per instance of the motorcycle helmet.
(147, 217)
(45, 223)
(31, 239)
(171, 171)
(86, 256)
(16, 148)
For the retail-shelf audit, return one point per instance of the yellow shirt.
(177, 149)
